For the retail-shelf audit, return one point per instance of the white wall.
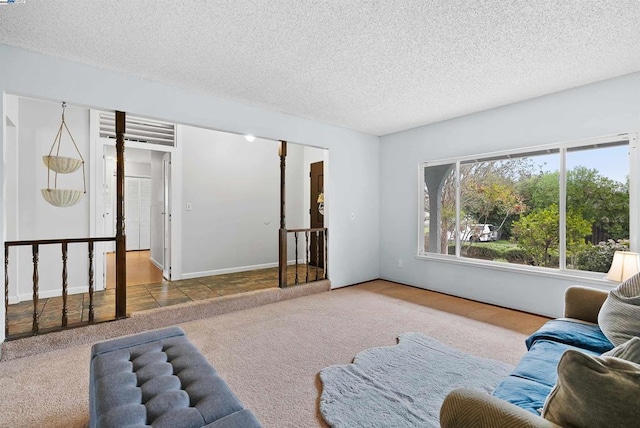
(604, 108)
(353, 168)
(233, 187)
(10, 202)
(137, 161)
(294, 202)
(34, 218)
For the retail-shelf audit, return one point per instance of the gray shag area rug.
(402, 385)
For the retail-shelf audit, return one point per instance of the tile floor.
(144, 296)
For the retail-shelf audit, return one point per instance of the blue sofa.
(534, 377)
(518, 400)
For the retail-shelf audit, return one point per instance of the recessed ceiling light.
(250, 138)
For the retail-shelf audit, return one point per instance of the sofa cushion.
(532, 379)
(541, 362)
(619, 316)
(594, 392)
(572, 332)
(524, 393)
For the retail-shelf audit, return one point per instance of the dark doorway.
(316, 213)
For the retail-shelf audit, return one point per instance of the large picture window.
(564, 207)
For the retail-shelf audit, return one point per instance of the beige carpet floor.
(269, 355)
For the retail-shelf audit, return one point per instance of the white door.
(137, 215)
(166, 213)
(132, 213)
(105, 223)
(144, 211)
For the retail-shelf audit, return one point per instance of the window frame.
(562, 148)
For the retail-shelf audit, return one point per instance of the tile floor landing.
(145, 296)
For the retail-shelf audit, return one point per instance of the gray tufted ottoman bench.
(159, 379)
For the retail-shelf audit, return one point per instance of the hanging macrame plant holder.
(62, 165)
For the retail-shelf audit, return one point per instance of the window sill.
(594, 278)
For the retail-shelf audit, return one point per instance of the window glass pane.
(439, 208)
(597, 206)
(509, 209)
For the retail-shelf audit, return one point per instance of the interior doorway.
(147, 213)
(140, 270)
(146, 207)
(316, 211)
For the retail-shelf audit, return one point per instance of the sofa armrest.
(464, 407)
(583, 303)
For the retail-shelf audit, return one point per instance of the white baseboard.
(191, 275)
(155, 263)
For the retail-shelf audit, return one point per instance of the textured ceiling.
(376, 66)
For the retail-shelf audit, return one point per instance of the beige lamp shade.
(62, 197)
(625, 264)
(61, 164)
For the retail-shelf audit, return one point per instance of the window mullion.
(562, 206)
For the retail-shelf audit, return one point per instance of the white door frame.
(97, 203)
(166, 213)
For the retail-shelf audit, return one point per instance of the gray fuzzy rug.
(402, 385)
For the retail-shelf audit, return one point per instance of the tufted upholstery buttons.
(161, 383)
(149, 358)
(148, 372)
